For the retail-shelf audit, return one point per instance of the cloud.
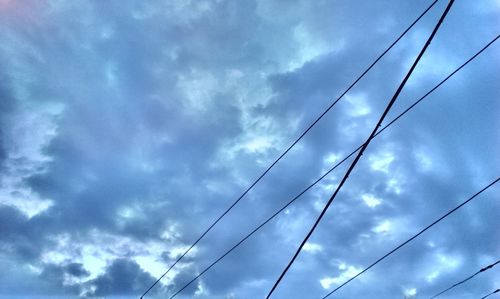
(127, 128)
(122, 277)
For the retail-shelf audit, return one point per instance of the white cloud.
(357, 105)
(331, 158)
(261, 135)
(312, 248)
(394, 185)
(198, 88)
(381, 161)
(308, 47)
(410, 293)
(347, 273)
(259, 144)
(370, 200)
(442, 263)
(383, 227)
(436, 64)
(424, 159)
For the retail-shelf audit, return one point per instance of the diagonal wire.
(335, 166)
(412, 238)
(494, 292)
(467, 279)
(291, 146)
(365, 145)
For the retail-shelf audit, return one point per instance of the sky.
(128, 127)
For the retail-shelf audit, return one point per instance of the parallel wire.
(289, 148)
(413, 237)
(336, 166)
(467, 279)
(361, 151)
(494, 292)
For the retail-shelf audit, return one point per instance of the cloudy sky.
(127, 127)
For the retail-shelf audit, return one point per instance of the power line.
(291, 146)
(467, 279)
(496, 291)
(413, 237)
(334, 167)
(365, 145)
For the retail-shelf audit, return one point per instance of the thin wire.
(414, 237)
(365, 145)
(496, 291)
(291, 146)
(335, 166)
(467, 279)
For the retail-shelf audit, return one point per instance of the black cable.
(412, 238)
(467, 279)
(494, 292)
(290, 147)
(365, 145)
(335, 166)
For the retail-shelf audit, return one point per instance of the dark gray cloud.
(126, 128)
(122, 277)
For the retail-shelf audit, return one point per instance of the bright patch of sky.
(381, 161)
(383, 227)
(312, 247)
(347, 272)
(370, 200)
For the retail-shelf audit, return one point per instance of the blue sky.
(127, 127)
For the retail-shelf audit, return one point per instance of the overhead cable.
(363, 148)
(336, 166)
(494, 292)
(413, 237)
(467, 279)
(290, 147)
